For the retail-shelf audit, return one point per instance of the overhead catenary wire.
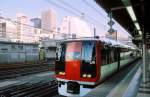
(75, 9)
(61, 7)
(65, 9)
(95, 9)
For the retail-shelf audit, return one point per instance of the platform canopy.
(123, 10)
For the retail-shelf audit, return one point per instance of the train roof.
(105, 40)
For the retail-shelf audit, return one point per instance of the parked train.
(81, 64)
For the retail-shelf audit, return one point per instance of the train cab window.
(73, 51)
(88, 65)
(88, 52)
(103, 56)
(60, 59)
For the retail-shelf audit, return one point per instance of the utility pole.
(94, 31)
(111, 23)
(144, 58)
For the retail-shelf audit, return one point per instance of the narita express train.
(81, 64)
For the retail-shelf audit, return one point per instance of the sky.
(94, 15)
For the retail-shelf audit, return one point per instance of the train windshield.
(73, 51)
(88, 65)
(88, 51)
(85, 51)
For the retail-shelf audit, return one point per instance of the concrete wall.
(50, 50)
(18, 52)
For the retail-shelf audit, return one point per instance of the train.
(83, 63)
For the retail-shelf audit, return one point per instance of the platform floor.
(144, 89)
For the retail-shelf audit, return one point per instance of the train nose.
(73, 70)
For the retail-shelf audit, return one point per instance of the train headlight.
(62, 73)
(84, 75)
(89, 75)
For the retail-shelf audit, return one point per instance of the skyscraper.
(36, 22)
(25, 31)
(2, 28)
(48, 21)
(8, 28)
(74, 26)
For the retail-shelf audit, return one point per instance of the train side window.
(104, 55)
(60, 54)
(108, 55)
(115, 54)
(94, 54)
(60, 59)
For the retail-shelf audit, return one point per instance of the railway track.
(13, 72)
(41, 89)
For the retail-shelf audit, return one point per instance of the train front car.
(77, 68)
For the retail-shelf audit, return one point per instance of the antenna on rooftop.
(94, 31)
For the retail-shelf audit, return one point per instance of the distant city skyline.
(48, 23)
(96, 18)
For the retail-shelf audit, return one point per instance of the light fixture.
(140, 32)
(131, 13)
(137, 26)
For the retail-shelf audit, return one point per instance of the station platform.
(144, 89)
(125, 83)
